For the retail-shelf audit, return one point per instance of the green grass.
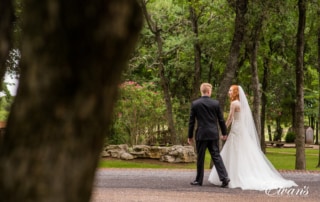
(143, 163)
(116, 163)
(284, 158)
(281, 158)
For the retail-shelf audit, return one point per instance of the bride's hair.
(235, 93)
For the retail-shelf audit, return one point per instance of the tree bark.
(73, 55)
(197, 53)
(299, 105)
(254, 46)
(229, 73)
(163, 79)
(318, 122)
(6, 26)
(264, 101)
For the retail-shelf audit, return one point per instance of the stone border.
(172, 154)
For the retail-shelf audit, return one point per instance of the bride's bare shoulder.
(235, 102)
(236, 105)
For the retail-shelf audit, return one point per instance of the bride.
(247, 166)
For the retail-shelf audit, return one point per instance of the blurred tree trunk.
(73, 54)
(6, 26)
(163, 79)
(318, 122)
(229, 73)
(299, 105)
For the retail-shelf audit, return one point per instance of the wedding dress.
(247, 166)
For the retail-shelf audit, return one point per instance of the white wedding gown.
(247, 166)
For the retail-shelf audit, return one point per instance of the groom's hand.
(190, 140)
(224, 137)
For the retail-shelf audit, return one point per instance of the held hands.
(224, 137)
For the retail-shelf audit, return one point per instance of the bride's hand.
(224, 138)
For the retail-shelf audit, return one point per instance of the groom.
(207, 113)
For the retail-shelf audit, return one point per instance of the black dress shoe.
(225, 182)
(196, 183)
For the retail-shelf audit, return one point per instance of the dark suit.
(207, 113)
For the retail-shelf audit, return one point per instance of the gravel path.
(161, 185)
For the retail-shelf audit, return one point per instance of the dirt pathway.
(155, 185)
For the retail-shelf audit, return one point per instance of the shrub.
(139, 115)
(290, 137)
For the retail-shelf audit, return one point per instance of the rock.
(168, 158)
(117, 147)
(155, 152)
(126, 156)
(115, 151)
(173, 154)
(140, 151)
(179, 153)
(105, 154)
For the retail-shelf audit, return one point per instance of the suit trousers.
(213, 147)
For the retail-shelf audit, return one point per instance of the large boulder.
(126, 156)
(114, 151)
(140, 151)
(179, 153)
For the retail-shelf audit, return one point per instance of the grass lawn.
(284, 158)
(281, 158)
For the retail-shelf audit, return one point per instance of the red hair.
(235, 93)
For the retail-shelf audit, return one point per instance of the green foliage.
(139, 116)
(173, 18)
(5, 102)
(276, 52)
(290, 137)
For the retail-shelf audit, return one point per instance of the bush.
(290, 137)
(139, 115)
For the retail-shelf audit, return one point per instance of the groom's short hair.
(205, 88)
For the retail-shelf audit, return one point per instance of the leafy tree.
(139, 116)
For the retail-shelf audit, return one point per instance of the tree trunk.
(299, 105)
(166, 91)
(278, 135)
(163, 79)
(6, 22)
(197, 53)
(264, 102)
(72, 58)
(317, 136)
(254, 45)
(229, 73)
(269, 132)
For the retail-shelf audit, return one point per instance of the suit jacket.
(207, 113)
